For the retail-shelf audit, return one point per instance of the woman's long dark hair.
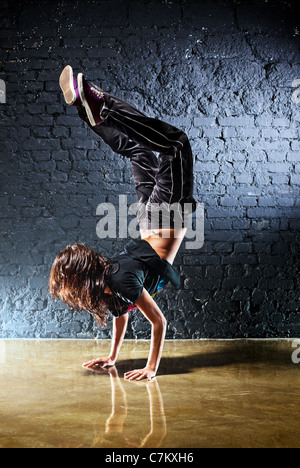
(79, 277)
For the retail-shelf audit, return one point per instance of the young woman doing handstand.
(162, 165)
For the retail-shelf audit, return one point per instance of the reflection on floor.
(207, 394)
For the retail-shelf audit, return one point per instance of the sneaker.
(92, 99)
(69, 87)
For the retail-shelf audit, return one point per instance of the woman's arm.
(159, 325)
(119, 330)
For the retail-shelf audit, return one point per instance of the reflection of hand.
(140, 374)
(100, 362)
(112, 371)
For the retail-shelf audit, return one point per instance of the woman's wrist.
(151, 367)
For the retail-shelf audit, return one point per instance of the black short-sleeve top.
(139, 267)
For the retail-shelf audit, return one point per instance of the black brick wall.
(221, 70)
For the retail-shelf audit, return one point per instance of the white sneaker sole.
(84, 101)
(67, 85)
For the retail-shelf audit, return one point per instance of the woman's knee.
(183, 141)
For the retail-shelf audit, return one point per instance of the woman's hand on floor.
(100, 362)
(140, 374)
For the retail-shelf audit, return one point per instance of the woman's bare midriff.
(165, 242)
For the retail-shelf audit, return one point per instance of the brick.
(241, 259)
(295, 179)
(262, 202)
(248, 201)
(295, 145)
(270, 133)
(280, 179)
(225, 213)
(290, 133)
(279, 167)
(204, 121)
(222, 224)
(264, 121)
(231, 283)
(244, 178)
(236, 121)
(201, 260)
(286, 201)
(212, 132)
(281, 122)
(276, 156)
(229, 201)
(202, 284)
(263, 213)
(241, 224)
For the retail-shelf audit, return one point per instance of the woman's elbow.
(161, 323)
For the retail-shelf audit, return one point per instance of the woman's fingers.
(141, 377)
(93, 362)
(132, 375)
(87, 364)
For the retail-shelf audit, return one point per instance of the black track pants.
(164, 183)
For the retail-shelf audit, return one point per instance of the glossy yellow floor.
(207, 394)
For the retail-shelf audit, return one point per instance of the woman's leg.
(131, 133)
(165, 188)
(144, 162)
(89, 100)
